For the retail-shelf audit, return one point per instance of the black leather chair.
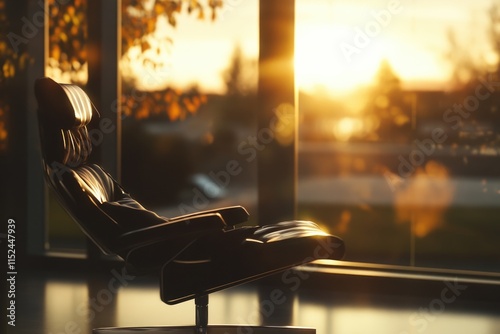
(194, 254)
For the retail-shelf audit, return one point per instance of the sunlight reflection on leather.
(93, 180)
(425, 199)
(76, 141)
(80, 102)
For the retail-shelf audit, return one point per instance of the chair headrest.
(65, 106)
(64, 111)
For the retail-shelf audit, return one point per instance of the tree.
(239, 101)
(388, 106)
(237, 77)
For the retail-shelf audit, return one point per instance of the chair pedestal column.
(201, 303)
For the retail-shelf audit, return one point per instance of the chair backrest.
(91, 196)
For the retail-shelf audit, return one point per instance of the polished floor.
(62, 301)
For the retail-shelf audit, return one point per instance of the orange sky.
(339, 44)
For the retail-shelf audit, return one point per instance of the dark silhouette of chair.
(194, 254)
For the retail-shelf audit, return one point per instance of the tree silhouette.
(240, 90)
(236, 76)
(388, 105)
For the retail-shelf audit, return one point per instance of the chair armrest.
(191, 226)
(231, 215)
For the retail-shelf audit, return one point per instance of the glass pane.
(188, 104)
(399, 136)
(67, 63)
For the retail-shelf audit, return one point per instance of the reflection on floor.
(61, 302)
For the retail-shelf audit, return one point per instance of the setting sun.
(319, 64)
(340, 46)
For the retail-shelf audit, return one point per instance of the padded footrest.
(256, 257)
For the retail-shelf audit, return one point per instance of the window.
(399, 133)
(189, 95)
(398, 111)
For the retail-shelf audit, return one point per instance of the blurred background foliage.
(67, 40)
(13, 61)
(68, 52)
